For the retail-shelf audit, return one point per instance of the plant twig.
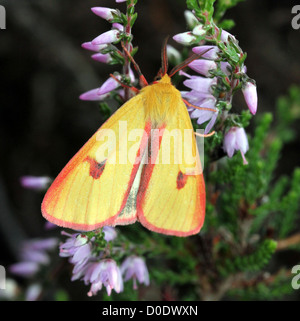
(285, 243)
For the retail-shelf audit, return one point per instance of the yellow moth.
(152, 183)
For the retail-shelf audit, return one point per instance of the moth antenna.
(159, 75)
(124, 85)
(205, 135)
(186, 62)
(164, 57)
(197, 107)
(143, 81)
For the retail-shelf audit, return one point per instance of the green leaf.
(227, 24)
(123, 19)
(249, 263)
(222, 6)
(192, 4)
(105, 110)
(134, 51)
(133, 19)
(61, 295)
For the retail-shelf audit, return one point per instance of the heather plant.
(251, 213)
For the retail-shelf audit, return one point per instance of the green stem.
(128, 46)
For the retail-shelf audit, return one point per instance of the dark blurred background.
(44, 70)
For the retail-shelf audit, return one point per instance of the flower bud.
(174, 55)
(107, 37)
(236, 140)
(250, 95)
(200, 84)
(198, 30)
(226, 68)
(33, 292)
(103, 273)
(225, 34)
(105, 58)
(105, 13)
(91, 47)
(35, 182)
(25, 269)
(131, 75)
(209, 52)
(118, 26)
(202, 66)
(92, 95)
(110, 233)
(135, 268)
(184, 38)
(190, 19)
(109, 85)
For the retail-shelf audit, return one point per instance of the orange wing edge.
(110, 221)
(142, 219)
(142, 192)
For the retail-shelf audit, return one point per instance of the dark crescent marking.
(181, 180)
(96, 169)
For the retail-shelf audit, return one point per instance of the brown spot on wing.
(181, 180)
(96, 169)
